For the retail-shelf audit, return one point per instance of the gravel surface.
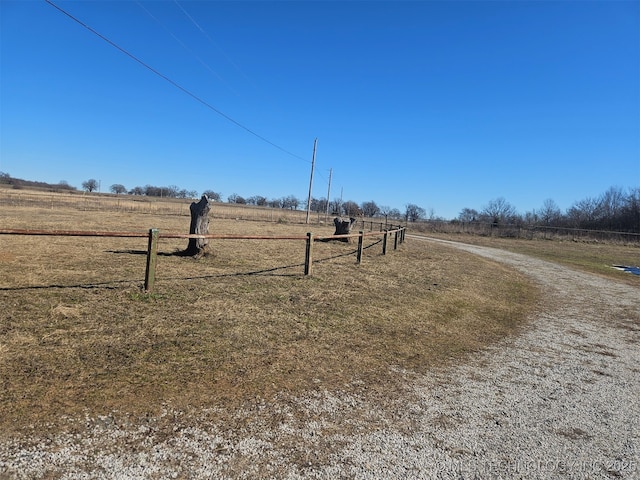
(560, 400)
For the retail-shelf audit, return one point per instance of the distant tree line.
(615, 210)
(336, 206)
(18, 183)
(171, 191)
(322, 205)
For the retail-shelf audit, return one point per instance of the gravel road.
(560, 401)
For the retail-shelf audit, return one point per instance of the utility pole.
(326, 217)
(313, 163)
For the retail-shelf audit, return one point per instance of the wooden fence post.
(384, 242)
(360, 242)
(308, 258)
(152, 257)
(395, 242)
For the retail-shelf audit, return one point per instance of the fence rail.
(154, 236)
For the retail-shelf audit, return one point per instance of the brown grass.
(78, 336)
(591, 256)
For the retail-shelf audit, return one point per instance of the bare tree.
(610, 208)
(431, 215)
(184, 193)
(117, 189)
(235, 198)
(370, 209)
(172, 191)
(395, 213)
(291, 202)
(583, 214)
(550, 213)
(631, 211)
(319, 205)
(213, 196)
(274, 203)
(499, 211)
(151, 191)
(336, 206)
(613, 210)
(257, 200)
(90, 185)
(413, 212)
(351, 208)
(468, 215)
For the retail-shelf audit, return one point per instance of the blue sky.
(444, 104)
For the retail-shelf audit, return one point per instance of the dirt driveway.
(559, 401)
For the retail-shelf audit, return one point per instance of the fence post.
(384, 242)
(395, 241)
(308, 258)
(152, 256)
(360, 242)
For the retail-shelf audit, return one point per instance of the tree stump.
(343, 227)
(199, 247)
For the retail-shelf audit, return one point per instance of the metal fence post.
(308, 259)
(152, 257)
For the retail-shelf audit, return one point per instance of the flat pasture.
(79, 337)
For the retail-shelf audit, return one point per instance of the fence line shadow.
(178, 253)
(114, 284)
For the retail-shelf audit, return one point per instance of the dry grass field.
(590, 256)
(79, 337)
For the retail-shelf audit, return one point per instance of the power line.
(180, 42)
(175, 84)
(256, 86)
(211, 41)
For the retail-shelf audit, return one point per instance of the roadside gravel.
(561, 400)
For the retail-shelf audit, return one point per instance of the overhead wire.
(208, 37)
(180, 42)
(172, 82)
